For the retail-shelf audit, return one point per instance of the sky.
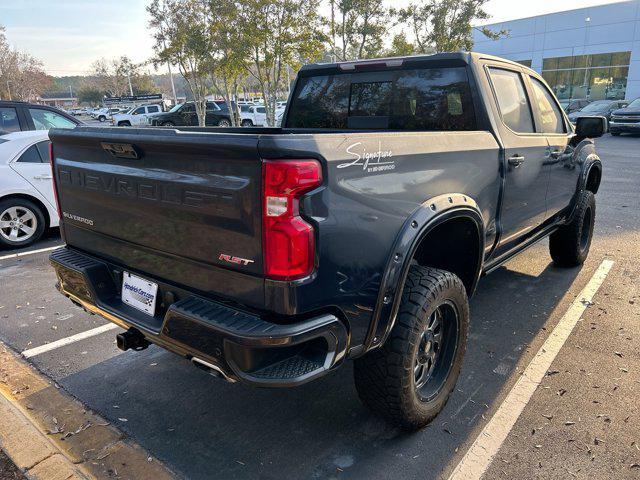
(69, 35)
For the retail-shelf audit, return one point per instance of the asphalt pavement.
(581, 422)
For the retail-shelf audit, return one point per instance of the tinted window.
(188, 108)
(9, 120)
(421, 99)
(153, 109)
(138, 110)
(46, 119)
(512, 100)
(43, 149)
(550, 116)
(261, 110)
(30, 155)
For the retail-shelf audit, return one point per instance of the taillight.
(53, 175)
(288, 241)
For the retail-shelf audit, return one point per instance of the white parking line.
(32, 352)
(478, 458)
(31, 252)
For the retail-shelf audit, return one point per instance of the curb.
(50, 435)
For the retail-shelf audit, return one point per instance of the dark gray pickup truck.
(358, 230)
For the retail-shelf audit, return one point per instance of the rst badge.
(237, 260)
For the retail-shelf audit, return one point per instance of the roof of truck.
(447, 57)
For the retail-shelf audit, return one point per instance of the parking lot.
(581, 422)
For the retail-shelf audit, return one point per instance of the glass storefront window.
(526, 63)
(593, 77)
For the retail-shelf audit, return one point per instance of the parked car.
(599, 107)
(20, 116)
(184, 114)
(358, 230)
(27, 204)
(626, 120)
(256, 115)
(570, 106)
(135, 116)
(104, 114)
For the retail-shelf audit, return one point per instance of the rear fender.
(429, 215)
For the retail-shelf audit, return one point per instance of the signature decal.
(371, 162)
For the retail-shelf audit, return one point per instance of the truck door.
(563, 174)
(525, 152)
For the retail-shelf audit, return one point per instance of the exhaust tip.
(211, 369)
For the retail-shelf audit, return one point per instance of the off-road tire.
(385, 377)
(23, 205)
(569, 245)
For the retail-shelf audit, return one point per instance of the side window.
(261, 110)
(550, 116)
(30, 155)
(9, 120)
(138, 111)
(512, 100)
(153, 109)
(188, 108)
(46, 119)
(43, 149)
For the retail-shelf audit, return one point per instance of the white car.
(256, 115)
(104, 114)
(27, 198)
(135, 116)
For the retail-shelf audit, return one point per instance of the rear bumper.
(240, 345)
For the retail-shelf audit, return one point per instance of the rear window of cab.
(427, 99)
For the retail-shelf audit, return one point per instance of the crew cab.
(357, 231)
(135, 116)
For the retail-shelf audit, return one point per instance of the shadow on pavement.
(205, 428)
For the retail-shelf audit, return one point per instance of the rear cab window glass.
(426, 99)
(9, 120)
(512, 100)
(550, 118)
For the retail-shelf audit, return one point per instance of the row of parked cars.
(623, 115)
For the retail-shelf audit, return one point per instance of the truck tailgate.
(178, 206)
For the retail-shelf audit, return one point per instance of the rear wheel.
(224, 122)
(124, 123)
(167, 124)
(409, 379)
(21, 222)
(569, 245)
(247, 123)
(102, 118)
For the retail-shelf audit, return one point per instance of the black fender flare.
(423, 220)
(591, 161)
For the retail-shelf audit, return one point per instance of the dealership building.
(591, 53)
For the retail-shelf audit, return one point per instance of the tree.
(360, 26)
(227, 50)
(445, 25)
(90, 95)
(279, 33)
(120, 76)
(180, 34)
(400, 46)
(21, 75)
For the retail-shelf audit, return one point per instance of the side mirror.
(591, 127)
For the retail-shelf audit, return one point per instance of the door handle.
(516, 160)
(43, 177)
